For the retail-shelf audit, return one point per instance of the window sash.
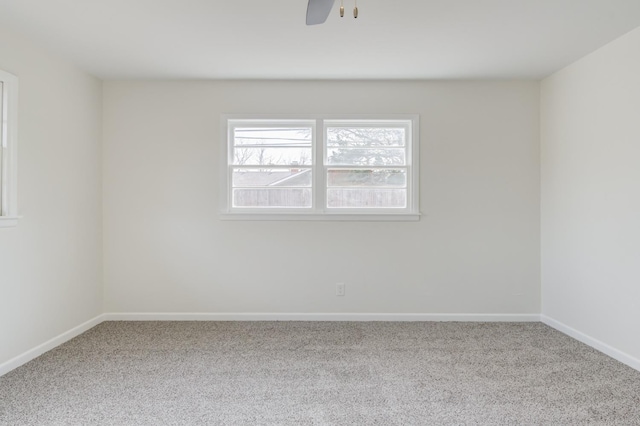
(2, 150)
(8, 149)
(259, 192)
(407, 165)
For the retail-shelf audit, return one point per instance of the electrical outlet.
(340, 287)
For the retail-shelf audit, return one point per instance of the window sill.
(327, 217)
(9, 221)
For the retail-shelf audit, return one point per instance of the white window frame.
(318, 211)
(9, 150)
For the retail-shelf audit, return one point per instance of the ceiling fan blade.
(318, 11)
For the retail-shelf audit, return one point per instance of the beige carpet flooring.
(321, 373)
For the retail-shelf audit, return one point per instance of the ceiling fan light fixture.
(319, 10)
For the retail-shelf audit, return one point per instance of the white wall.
(476, 250)
(590, 115)
(50, 264)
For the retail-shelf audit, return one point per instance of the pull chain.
(342, 8)
(355, 9)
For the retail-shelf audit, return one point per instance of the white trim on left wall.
(33, 353)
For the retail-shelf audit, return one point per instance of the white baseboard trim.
(21, 359)
(594, 343)
(176, 316)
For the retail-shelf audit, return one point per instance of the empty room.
(320, 212)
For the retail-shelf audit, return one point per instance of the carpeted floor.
(319, 373)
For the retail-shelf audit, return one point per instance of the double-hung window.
(8, 148)
(321, 168)
(270, 165)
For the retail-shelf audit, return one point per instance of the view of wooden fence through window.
(272, 166)
(366, 167)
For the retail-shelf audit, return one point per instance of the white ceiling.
(412, 39)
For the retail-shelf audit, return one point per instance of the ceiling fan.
(318, 10)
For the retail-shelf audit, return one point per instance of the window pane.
(376, 178)
(271, 156)
(272, 177)
(365, 136)
(366, 157)
(292, 137)
(366, 198)
(272, 197)
(2, 209)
